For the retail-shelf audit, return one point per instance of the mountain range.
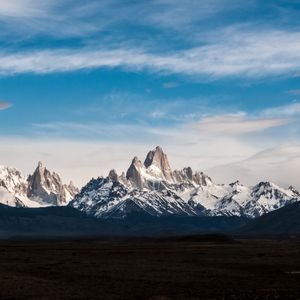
(149, 188)
(152, 188)
(149, 199)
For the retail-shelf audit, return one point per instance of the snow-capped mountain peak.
(42, 188)
(156, 168)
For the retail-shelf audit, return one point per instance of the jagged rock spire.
(157, 158)
(47, 187)
(156, 172)
(155, 168)
(112, 175)
(134, 173)
(293, 190)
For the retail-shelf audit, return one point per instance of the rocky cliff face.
(153, 188)
(187, 175)
(135, 173)
(42, 188)
(157, 165)
(155, 173)
(47, 188)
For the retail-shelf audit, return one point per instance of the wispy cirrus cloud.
(54, 19)
(4, 105)
(23, 8)
(294, 92)
(170, 85)
(227, 51)
(288, 110)
(263, 166)
(236, 124)
(229, 125)
(247, 54)
(182, 15)
(96, 131)
(58, 18)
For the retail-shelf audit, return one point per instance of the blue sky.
(215, 83)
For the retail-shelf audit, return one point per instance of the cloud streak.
(288, 110)
(4, 105)
(251, 55)
(237, 124)
(23, 8)
(186, 131)
(294, 92)
(60, 18)
(279, 164)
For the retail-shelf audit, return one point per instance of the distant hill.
(68, 222)
(50, 221)
(143, 224)
(283, 221)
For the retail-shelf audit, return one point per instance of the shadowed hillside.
(282, 221)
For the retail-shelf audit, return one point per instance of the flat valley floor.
(178, 268)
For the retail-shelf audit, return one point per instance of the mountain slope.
(285, 220)
(51, 221)
(104, 197)
(65, 221)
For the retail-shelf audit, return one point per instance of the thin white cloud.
(24, 19)
(170, 85)
(294, 92)
(185, 126)
(236, 124)
(288, 110)
(23, 8)
(4, 105)
(94, 131)
(76, 17)
(177, 14)
(273, 53)
(186, 130)
(157, 114)
(280, 165)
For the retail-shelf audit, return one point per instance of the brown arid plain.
(191, 267)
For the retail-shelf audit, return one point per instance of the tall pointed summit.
(156, 162)
(134, 173)
(48, 188)
(156, 168)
